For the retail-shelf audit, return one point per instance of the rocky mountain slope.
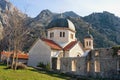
(104, 30)
(107, 24)
(105, 27)
(7, 11)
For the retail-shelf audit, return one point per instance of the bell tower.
(88, 41)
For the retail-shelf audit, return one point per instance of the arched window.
(73, 65)
(51, 34)
(97, 66)
(78, 54)
(88, 66)
(89, 43)
(63, 34)
(118, 66)
(60, 34)
(71, 35)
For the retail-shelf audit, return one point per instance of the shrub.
(48, 66)
(41, 65)
(44, 66)
(19, 66)
(115, 50)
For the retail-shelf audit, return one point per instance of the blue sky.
(81, 7)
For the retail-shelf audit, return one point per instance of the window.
(62, 34)
(88, 66)
(118, 66)
(71, 35)
(51, 34)
(58, 63)
(97, 66)
(96, 53)
(118, 52)
(78, 55)
(73, 66)
(89, 43)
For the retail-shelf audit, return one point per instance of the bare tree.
(15, 34)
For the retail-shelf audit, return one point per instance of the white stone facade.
(76, 51)
(39, 52)
(88, 43)
(59, 38)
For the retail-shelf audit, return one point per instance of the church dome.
(62, 23)
(89, 36)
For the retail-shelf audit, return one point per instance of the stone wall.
(108, 63)
(75, 65)
(98, 63)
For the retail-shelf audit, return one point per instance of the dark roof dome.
(62, 23)
(89, 36)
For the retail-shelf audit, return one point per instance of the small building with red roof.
(8, 56)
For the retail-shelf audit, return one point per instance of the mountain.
(71, 14)
(107, 24)
(7, 12)
(7, 9)
(105, 27)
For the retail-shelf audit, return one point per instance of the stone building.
(60, 42)
(64, 53)
(98, 63)
(6, 56)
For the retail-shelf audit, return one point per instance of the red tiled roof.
(7, 54)
(23, 56)
(70, 45)
(20, 55)
(52, 44)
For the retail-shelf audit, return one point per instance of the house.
(60, 42)
(7, 56)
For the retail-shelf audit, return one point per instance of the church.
(60, 42)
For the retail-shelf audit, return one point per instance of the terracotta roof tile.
(23, 56)
(52, 44)
(70, 45)
(20, 55)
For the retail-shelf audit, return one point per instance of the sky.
(81, 7)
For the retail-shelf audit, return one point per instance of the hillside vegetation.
(28, 74)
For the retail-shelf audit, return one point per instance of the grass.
(28, 74)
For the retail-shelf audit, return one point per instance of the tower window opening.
(51, 34)
(71, 36)
(89, 43)
(62, 34)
